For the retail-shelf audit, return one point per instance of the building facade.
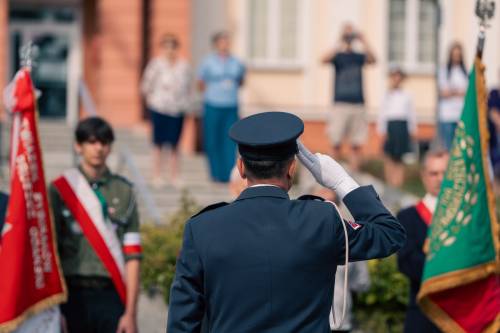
(102, 46)
(283, 41)
(96, 46)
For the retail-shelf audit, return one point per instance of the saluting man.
(97, 225)
(265, 263)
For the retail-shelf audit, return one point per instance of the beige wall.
(308, 90)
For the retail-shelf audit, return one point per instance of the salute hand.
(327, 172)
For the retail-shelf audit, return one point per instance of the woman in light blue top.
(220, 77)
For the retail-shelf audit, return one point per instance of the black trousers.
(92, 310)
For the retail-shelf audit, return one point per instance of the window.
(397, 31)
(274, 33)
(412, 33)
(427, 30)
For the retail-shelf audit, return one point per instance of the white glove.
(327, 171)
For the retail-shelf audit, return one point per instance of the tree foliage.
(161, 246)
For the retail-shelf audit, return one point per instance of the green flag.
(460, 285)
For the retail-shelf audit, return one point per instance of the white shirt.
(430, 202)
(450, 108)
(167, 86)
(397, 105)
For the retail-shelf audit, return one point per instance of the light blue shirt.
(222, 77)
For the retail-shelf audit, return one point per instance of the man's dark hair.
(94, 128)
(219, 35)
(266, 169)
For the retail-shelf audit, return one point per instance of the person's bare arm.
(495, 118)
(128, 321)
(327, 57)
(370, 56)
(445, 93)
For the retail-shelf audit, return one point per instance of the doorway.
(55, 33)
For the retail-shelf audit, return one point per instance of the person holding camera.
(348, 117)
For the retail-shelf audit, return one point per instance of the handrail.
(125, 155)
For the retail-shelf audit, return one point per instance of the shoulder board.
(310, 197)
(211, 207)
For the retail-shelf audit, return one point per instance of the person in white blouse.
(397, 125)
(452, 83)
(166, 85)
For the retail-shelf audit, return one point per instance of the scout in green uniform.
(95, 303)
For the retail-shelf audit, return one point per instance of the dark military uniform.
(265, 263)
(4, 200)
(411, 260)
(93, 304)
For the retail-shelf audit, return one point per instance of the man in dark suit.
(416, 219)
(265, 263)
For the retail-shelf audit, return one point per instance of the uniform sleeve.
(411, 259)
(187, 304)
(132, 248)
(55, 206)
(375, 232)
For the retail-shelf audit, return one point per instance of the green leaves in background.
(382, 308)
(161, 246)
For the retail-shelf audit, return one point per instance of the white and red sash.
(424, 212)
(86, 208)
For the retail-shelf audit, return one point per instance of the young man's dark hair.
(94, 128)
(267, 169)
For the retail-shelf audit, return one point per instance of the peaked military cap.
(267, 136)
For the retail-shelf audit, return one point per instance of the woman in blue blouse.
(220, 77)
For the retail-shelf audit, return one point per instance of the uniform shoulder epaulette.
(211, 207)
(310, 197)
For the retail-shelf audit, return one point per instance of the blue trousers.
(220, 149)
(447, 133)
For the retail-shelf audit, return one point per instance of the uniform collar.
(263, 191)
(99, 181)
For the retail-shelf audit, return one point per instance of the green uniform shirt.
(117, 198)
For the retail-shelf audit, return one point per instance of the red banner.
(31, 278)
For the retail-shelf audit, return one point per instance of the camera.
(350, 37)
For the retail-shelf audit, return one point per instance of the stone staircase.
(57, 141)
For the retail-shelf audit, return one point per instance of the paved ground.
(152, 316)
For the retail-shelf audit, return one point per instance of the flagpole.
(485, 9)
(26, 53)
